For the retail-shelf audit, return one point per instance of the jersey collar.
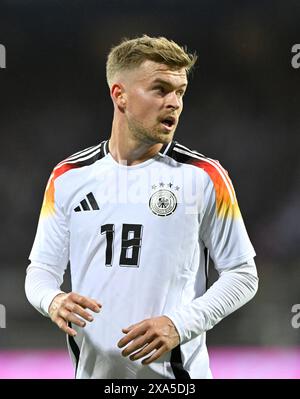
(164, 151)
(167, 149)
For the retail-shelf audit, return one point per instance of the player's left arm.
(224, 235)
(235, 287)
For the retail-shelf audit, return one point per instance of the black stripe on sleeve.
(206, 255)
(75, 349)
(177, 366)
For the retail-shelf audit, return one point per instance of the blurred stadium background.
(242, 108)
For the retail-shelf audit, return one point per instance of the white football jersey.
(138, 239)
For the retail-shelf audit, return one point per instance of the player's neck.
(129, 151)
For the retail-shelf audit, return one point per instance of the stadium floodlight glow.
(2, 56)
(2, 316)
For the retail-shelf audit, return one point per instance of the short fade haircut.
(131, 53)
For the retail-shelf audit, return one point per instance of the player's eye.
(160, 89)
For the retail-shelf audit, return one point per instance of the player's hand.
(66, 308)
(157, 334)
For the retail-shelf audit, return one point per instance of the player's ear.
(118, 96)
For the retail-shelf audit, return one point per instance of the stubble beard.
(148, 135)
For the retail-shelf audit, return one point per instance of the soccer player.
(138, 217)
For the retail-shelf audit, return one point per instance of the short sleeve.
(51, 243)
(222, 230)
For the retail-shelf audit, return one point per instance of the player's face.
(154, 101)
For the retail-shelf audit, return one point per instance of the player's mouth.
(169, 122)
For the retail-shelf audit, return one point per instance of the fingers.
(74, 308)
(152, 337)
(71, 317)
(127, 329)
(136, 344)
(156, 355)
(134, 332)
(63, 325)
(146, 350)
(85, 302)
(70, 308)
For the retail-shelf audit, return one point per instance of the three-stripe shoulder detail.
(83, 155)
(82, 158)
(211, 166)
(226, 202)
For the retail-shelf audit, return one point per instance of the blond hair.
(131, 53)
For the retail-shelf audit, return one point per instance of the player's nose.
(173, 101)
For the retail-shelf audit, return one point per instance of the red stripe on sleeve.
(48, 207)
(226, 204)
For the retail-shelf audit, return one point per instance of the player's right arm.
(49, 258)
(42, 287)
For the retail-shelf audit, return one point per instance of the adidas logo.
(88, 204)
